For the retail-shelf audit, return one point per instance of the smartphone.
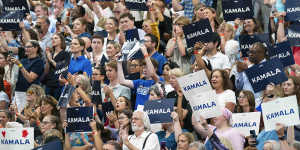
(252, 134)
(252, 141)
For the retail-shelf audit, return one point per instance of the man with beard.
(257, 55)
(142, 137)
(151, 42)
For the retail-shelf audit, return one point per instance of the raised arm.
(176, 123)
(123, 81)
(280, 31)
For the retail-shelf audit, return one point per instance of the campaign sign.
(132, 35)
(292, 9)
(294, 34)
(53, 145)
(244, 122)
(282, 110)
(233, 9)
(78, 119)
(131, 50)
(107, 107)
(136, 5)
(246, 42)
(66, 96)
(262, 74)
(205, 104)
(194, 83)
(12, 12)
(61, 69)
(16, 139)
(159, 111)
(197, 32)
(284, 52)
(96, 92)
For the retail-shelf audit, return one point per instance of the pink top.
(236, 139)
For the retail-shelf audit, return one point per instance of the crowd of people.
(78, 43)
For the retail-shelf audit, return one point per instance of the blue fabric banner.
(197, 32)
(12, 12)
(78, 119)
(284, 52)
(246, 42)
(294, 34)
(233, 9)
(159, 111)
(292, 9)
(262, 74)
(136, 5)
(53, 145)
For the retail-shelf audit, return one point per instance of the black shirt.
(185, 105)
(61, 59)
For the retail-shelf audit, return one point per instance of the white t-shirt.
(152, 142)
(218, 61)
(225, 97)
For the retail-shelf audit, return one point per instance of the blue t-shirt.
(161, 61)
(80, 64)
(170, 141)
(35, 65)
(142, 90)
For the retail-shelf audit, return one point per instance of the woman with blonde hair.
(176, 48)
(34, 95)
(112, 49)
(184, 140)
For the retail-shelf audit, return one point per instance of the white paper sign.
(282, 110)
(20, 100)
(194, 83)
(205, 104)
(244, 122)
(16, 139)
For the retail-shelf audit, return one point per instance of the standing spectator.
(57, 58)
(151, 43)
(245, 102)
(176, 48)
(78, 63)
(31, 68)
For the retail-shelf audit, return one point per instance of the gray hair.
(275, 144)
(198, 145)
(146, 120)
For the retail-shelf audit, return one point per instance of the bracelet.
(20, 65)
(221, 34)
(94, 132)
(146, 55)
(196, 52)
(282, 138)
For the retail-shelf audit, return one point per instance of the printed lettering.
(244, 124)
(197, 33)
(292, 10)
(280, 114)
(135, 1)
(237, 10)
(78, 119)
(158, 111)
(204, 106)
(195, 85)
(14, 141)
(14, 8)
(266, 75)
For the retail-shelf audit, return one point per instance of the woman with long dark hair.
(57, 63)
(30, 70)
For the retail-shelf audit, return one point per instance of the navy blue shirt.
(35, 65)
(80, 64)
(161, 61)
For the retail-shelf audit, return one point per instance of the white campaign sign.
(244, 122)
(205, 104)
(16, 139)
(194, 83)
(282, 110)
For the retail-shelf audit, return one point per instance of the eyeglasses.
(28, 46)
(95, 74)
(74, 43)
(134, 65)
(270, 96)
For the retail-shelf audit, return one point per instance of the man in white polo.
(142, 139)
